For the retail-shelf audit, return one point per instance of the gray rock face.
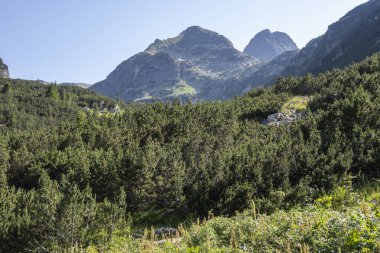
(351, 39)
(283, 118)
(269, 72)
(4, 72)
(267, 45)
(198, 65)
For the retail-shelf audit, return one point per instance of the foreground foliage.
(342, 222)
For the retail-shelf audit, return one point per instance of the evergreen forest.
(80, 172)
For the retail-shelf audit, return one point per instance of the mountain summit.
(193, 36)
(267, 45)
(198, 64)
(196, 35)
(4, 73)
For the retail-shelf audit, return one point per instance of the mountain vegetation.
(78, 175)
(28, 105)
(343, 221)
(82, 85)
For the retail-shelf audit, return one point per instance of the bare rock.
(267, 45)
(198, 64)
(4, 72)
(283, 118)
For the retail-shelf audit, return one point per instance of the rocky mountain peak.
(196, 64)
(196, 35)
(267, 45)
(4, 73)
(192, 37)
(264, 33)
(199, 64)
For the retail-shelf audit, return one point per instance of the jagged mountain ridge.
(203, 65)
(267, 45)
(4, 72)
(351, 39)
(354, 37)
(198, 64)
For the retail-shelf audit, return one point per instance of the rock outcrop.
(198, 65)
(4, 72)
(166, 231)
(283, 117)
(267, 45)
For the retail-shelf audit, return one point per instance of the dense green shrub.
(62, 147)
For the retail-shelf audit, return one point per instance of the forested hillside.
(29, 104)
(70, 177)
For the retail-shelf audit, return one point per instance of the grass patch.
(298, 103)
(145, 97)
(183, 89)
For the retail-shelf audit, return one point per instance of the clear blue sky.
(84, 40)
